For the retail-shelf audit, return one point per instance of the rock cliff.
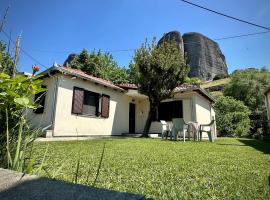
(202, 54)
(173, 35)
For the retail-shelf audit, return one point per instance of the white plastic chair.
(165, 129)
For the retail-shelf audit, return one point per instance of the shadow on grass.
(257, 144)
(233, 145)
(43, 188)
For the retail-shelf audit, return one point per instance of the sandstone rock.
(173, 35)
(204, 56)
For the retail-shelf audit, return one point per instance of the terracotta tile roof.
(185, 87)
(195, 88)
(127, 85)
(122, 86)
(81, 74)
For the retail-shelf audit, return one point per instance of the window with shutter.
(90, 103)
(40, 100)
(105, 106)
(78, 97)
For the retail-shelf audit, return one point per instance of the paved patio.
(19, 186)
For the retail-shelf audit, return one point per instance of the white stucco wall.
(44, 119)
(204, 111)
(67, 124)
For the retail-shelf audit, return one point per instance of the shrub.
(249, 86)
(232, 117)
(15, 136)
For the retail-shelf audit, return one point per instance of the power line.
(133, 49)
(224, 15)
(243, 35)
(24, 51)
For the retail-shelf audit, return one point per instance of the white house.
(77, 104)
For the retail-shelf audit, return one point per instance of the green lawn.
(226, 169)
(223, 81)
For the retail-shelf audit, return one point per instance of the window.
(87, 103)
(169, 110)
(40, 100)
(90, 103)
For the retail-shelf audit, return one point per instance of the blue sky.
(52, 29)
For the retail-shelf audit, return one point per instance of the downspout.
(54, 103)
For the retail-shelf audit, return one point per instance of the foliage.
(232, 117)
(193, 81)
(249, 86)
(226, 169)
(16, 98)
(6, 62)
(220, 76)
(158, 69)
(99, 64)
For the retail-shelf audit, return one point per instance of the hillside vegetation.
(215, 87)
(209, 84)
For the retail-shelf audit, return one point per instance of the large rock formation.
(173, 35)
(204, 56)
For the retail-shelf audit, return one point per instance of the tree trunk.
(148, 121)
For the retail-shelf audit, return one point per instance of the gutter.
(56, 85)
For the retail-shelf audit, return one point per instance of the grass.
(223, 81)
(227, 169)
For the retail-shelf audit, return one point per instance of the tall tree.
(249, 86)
(6, 62)
(98, 64)
(158, 70)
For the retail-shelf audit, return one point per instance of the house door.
(132, 118)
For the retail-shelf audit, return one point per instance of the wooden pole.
(17, 52)
(4, 19)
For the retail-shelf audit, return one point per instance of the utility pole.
(17, 52)
(4, 19)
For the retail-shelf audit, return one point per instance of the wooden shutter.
(77, 103)
(105, 106)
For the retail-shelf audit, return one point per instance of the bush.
(15, 136)
(249, 86)
(232, 117)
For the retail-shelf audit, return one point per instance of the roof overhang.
(63, 70)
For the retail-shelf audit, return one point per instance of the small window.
(90, 103)
(40, 100)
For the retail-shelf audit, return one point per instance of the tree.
(158, 70)
(193, 81)
(249, 86)
(6, 62)
(232, 117)
(98, 64)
